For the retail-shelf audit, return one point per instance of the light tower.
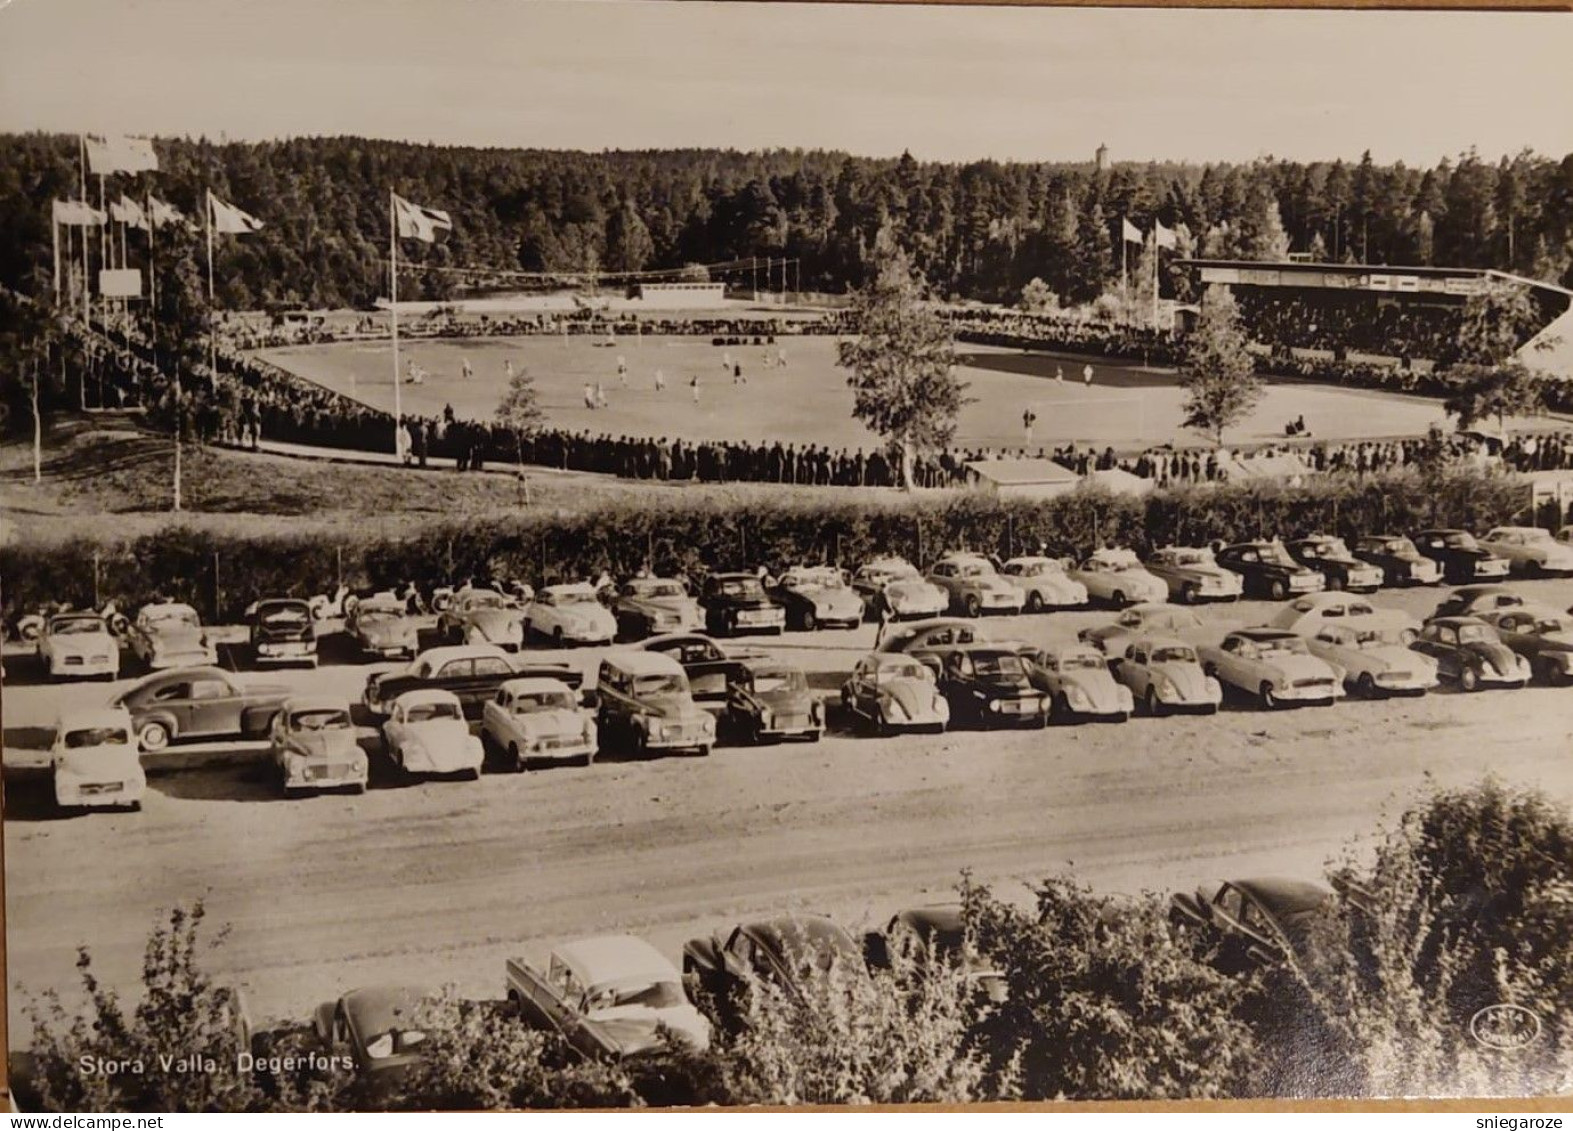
(1102, 159)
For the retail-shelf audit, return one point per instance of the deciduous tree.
(1219, 374)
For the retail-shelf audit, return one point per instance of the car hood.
(673, 707)
(913, 589)
(177, 638)
(787, 702)
(1298, 667)
(679, 605)
(387, 632)
(834, 601)
(1188, 679)
(1499, 656)
(1387, 657)
(100, 762)
(1099, 686)
(742, 602)
(915, 696)
(1200, 572)
(495, 623)
(437, 733)
(636, 1028)
(1004, 686)
(325, 745)
(549, 724)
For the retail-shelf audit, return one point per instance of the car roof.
(984, 648)
(892, 659)
(786, 929)
(643, 663)
(1283, 897)
(1443, 530)
(581, 588)
(1151, 642)
(1518, 530)
(1071, 648)
(1265, 633)
(381, 605)
(532, 685)
(374, 1010)
(302, 602)
(448, 652)
(1032, 559)
(86, 717)
(168, 606)
(937, 919)
(315, 703)
(1481, 590)
(734, 575)
(78, 614)
(176, 675)
(426, 695)
(615, 958)
(1456, 621)
(768, 663)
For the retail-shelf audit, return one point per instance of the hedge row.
(222, 574)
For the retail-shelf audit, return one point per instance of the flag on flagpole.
(420, 223)
(164, 213)
(1163, 237)
(128, 212)
(1129, 231)
(120, 155)
(230, 220)
(75, 212)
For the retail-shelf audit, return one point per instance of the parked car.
(1304, 616)
(646, 606)
(473, 672)
(78, 646)
(975, 587)
(897, 584)
(281, 631)
(1274, 665)
(709, 667)
(1193, 575)
(1542, 636)
(1401, 562)
(539, 720)
(770, 699)
(721, 970)
(893, 692)
(818, 597)
(1077, 680)
(1044, 584)
(1118, 578)
(644, 704)
(1470, 652)
(1477, 600)
(1530, 550)
(609, 998)
(1251, 923)
(94, 762)
(737, 602)
(988, 685)
(426, 734)
(482, 616)
(1461, 557)
(570, 614)
(198, 703)
(1140, 620)
(1164, 675)
(924, 935)
(1376, 662)
(928, 638)
(313, 746)
(382, 628)
(168, 634)
(376, 1028)
(1268, 571)
(1340, 569)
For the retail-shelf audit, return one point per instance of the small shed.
(1119, 481)
(1021, 478)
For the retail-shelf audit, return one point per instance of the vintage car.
(538, 720)
(313, 746)
(1477, 600)
(473, 672)
(1077, 680)
(923, 935)
(988, 685)
(643, 704)
(1542, 636)
(1375, 661)
(1044, 584)
(383, 629)
(1305, 615)
(1268, 571)
(94, 762)
(198, 703)
(770, 699)
(168, 634)
(610, 998)
(1461, 557)
(708, 666)
(1140, 620)
(818, 597)
(1118, 578)
(482, 616)
(928, 638)
(1248, 924)
(646, 606)
(570, 614)
(281, 631)
(376, 1028)
(736, 603)
(1330, 556)
(1530, 550)
(1165, 676)
(721, 970)
(896, 584)
(893, 692)
(1274, 665)
(1193, 575)
(425, 733)
(1401, 562)
(1471, 653)
(78, 645)
(974, 586)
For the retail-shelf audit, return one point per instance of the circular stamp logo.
(1504, 1026)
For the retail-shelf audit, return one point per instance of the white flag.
(128, 212)
(120, 155)
(1163, 237)
(419, 223)
(1130, 232)
(164, 213)
(231, 220)
(77, 213)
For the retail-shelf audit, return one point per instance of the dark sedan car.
(736, 603)
(924, 934)
(1544, 637)
(281, 632)
(1477, 600)
(989, 685)
(1462, 558)
(1401, 563)
(1332, 558)
(198, 703)
(783, 952)
(1469, 652)
(1268, 570)
(1251, 923)
(375, 1029)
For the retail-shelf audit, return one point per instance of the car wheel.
(1366, 685)
(557, 637)
(1335, 582)
(702, 751)
(1408, 636)
(134, 807)
(1269, 700)
(153, 735)
(1060, 710)
(973, 605)
(809, 621)
(1277, 589)
(881, 725)
(1034, 602)
(1150, 703)
(513, 758)
(473, 774)
(1190, 595)
(1469, 679)
(1118, 597)
(587, 760)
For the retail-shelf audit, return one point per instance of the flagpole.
(54, 241)
(212, 301)
(1155, 274)
(87, 305)
(393, 311)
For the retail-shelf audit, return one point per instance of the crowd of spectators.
(1343, 324)
(1014, 329)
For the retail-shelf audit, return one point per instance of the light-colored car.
(95, 762)
(905, 592)
(482, 616)
(1530, 550)
(1118, 578)
(1141, 620)
(1193, 575)
(1477, 600)
(537, 719)
(78, 646)
(168, 634)
(818, 597)
(570, 614)
(1273, 665)
(644, 704)
(382, 627)
(313, 746)
(649, 606)
(1164, 675)
(975, 587)
(1375, 662)
(1044, 584)
(425, 733)
(1079, 685)
(1305, 616)
(891, 692)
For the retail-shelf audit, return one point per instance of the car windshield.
(1173, 655)
(1366, 638)
(908, 669)
(1282, 646)
(286, 614)
(1073, 662)
(1460, 540)
(377, 616)
(173, 614)
(657, 589)
(893, 571)
(484, 599)
(571, 597)
(1399, 547)
(1537, 535)
(1191, 558)
(748, 587)
(531, 701)
(779, 679)
(973, 569)
(651, 995)
(320, 718)
(1130, 618)
(1277, 554)
(394, 1043)
(430, 712)
(660, 685)
(97, 736)
(73, 626)
(1328, 548)
(1000, 663)
(1476, 634)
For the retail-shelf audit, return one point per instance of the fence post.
(97, 600)
(217, 592)
(338, 566)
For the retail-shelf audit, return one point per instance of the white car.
(904, 591)
(570, 614)
(1118, 577)
(1305, 616)
(1044, 584)
(1530, 550)
(78, 645)
(1374, 661)
(1193, 575)
(426, 734)
(538, 719)
(1275, 666)
(168, 634)
(95, 762)
(975, 587)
